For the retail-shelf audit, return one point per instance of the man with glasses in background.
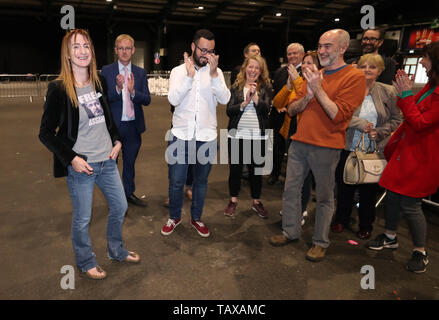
(371, 41)
(127, 92)
(195, 89)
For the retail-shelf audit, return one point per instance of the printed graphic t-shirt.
(93, 138)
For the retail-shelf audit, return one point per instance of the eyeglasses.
(204, 50)
(124, 49)
(371, 39)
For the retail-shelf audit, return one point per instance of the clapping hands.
(189, 65)
(402, 82)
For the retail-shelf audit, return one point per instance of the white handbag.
(363, 166)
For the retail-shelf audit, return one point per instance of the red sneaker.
(201, 228)
(260, 210)
(229, 211)
(169, 227)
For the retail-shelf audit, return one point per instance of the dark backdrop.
(34, 45)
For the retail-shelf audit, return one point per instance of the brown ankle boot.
(316, 253)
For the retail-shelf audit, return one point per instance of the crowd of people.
(319, 107)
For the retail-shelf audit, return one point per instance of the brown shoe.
(280, 240)
(364, 234)
(229, 211)
(132, 257)
(316, 253)
(96, 273)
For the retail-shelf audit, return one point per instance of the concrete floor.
(235, 262)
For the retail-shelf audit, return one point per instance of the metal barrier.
(19, 85)
(32, 85)
(43, 83)
(227, 75)
(158, 83)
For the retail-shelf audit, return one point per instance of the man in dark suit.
(295, 54)
(127, 92)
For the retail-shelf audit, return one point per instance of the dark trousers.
(276, 121)
(190, 175)
(398, 205)
(237, 153)
(131, 143)
(345, 199)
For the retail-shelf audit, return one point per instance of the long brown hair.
(66, 74)
(432, 52)
(263, 77)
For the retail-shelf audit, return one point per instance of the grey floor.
(235, 262)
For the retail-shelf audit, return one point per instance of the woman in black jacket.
(85, 146)
(248, 110)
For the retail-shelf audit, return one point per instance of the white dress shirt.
(195, 100)
(124, 108)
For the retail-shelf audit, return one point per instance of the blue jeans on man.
(179, 155)
(81, 186)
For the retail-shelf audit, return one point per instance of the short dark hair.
(203, 33)
(247, 47)
(382, 32)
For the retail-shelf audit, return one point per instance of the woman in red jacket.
(412, 171)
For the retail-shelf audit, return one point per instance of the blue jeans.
(180, 154)
(81, 186)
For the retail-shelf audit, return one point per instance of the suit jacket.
(234, 74)
(262, 108)
(280, 78)
(389, 116)
(141, 94)
(59, 113)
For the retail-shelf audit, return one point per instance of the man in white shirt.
(195, 89)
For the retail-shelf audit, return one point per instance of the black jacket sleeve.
(53, 115)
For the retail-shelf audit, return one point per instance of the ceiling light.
(109, 0)
(337, 19)
(278, 14)
(200, 8)
(252, 2)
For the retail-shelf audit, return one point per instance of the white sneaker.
(280, 212)
(303, 222)
(305, 213)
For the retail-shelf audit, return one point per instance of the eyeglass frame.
(204, 50)
(371, 39)
(124, 48)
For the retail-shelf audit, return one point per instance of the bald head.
(331, 48)
(340, 35)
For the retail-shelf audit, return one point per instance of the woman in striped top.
(248, 110)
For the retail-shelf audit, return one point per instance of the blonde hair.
(263, 77)
(372, 59)
(66, 74)
(122, 37)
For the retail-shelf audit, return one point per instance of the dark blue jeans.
(180, 154)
